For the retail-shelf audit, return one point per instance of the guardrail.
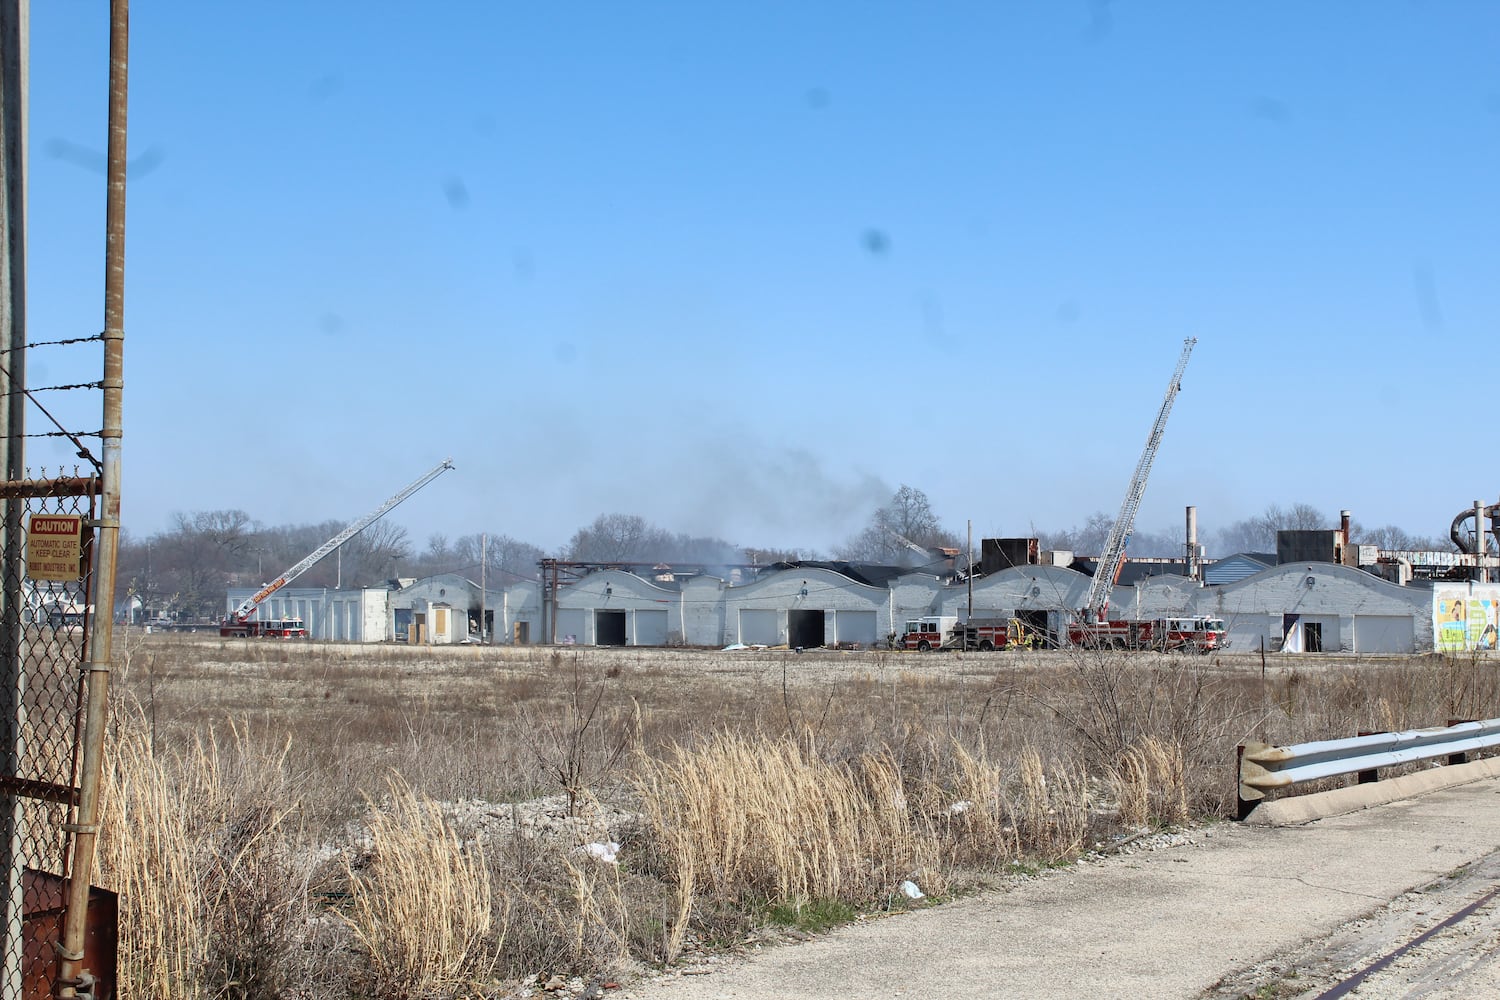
(1265, 768)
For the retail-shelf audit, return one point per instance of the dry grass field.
(316, 820)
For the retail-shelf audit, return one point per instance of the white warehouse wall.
(1253, 608)
(782, 592)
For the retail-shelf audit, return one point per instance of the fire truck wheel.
(924, 646)
(986, 646)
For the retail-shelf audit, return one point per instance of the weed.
(813, 916)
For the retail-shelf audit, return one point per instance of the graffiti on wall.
(1467, 620)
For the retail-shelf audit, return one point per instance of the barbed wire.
(52, 343)
(83, 451)
(53, 388)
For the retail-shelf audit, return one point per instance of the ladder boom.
(246, 609)
(1113, 557)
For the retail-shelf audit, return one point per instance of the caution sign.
(54, 547)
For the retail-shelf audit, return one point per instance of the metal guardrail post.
(1243, 806)
(1460, 757)
(1369, 775)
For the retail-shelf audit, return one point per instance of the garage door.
(855, 626)
(1248, 632)
(650, 628)
(759, 628)
(1384, 634)
(570, 621)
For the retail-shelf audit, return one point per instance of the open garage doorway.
(609, 628)
(1036, 623)
(806, 629)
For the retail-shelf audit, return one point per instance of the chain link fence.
(45, 619)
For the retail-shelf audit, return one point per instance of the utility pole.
(484, 551)
(969, 570)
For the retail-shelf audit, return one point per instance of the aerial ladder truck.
(1093, 627)
(239, 622)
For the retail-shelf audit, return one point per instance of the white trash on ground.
(608, 853)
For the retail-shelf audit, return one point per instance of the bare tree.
(631, 538)
(1393, 538)
(197, 559)
(906, 520)
(513, 559)
(1258, 532)
(375, 554)
(615, 538)
(499, 558)
(1090, 539)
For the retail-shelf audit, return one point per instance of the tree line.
(185, 570)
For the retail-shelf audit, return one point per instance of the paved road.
(1229, 910)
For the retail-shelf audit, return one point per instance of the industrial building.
(1317, 593)
(1309, 606)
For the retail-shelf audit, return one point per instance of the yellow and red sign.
(54, 547)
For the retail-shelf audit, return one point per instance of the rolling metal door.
(855, 626)
(571, 621)
(759, 628)
(1384, 634)
(650, 628)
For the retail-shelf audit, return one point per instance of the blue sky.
(744, 269)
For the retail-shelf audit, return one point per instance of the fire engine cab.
(927, 633)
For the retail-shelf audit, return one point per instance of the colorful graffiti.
(1467, 620)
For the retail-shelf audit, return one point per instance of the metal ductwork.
(1472, 542)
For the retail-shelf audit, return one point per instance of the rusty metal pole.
(85, 827)
(14, 48)
(1481, 574)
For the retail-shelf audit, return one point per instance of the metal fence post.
(85, 826)
(14, 16)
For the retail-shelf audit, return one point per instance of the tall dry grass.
(777, 778)
(754, 819)
(1150, 784)
(146, 854)
(759, 820)
(988, 813)
(421, 907)
(194, 842)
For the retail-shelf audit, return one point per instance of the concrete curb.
(1300, 809)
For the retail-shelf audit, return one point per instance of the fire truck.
(239, 624)
(1093, 628)
(927, 633)
(985, 634)
(974, 635)
(1186, 634)
(270, 628)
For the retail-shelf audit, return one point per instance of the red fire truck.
(926, 633)
(1186, 634)
(270, 628)
(974, 635)
(240, 624)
